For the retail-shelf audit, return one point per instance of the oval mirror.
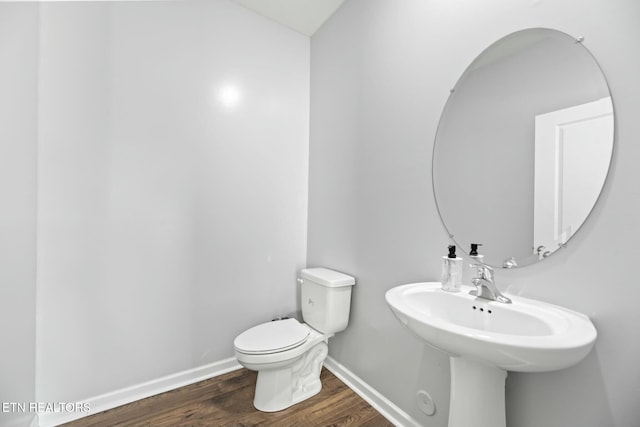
(523, 147)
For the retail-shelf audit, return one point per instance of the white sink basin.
(525, 336)
(487, 338)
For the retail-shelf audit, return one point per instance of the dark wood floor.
(227, 401)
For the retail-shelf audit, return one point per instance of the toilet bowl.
(287, 354)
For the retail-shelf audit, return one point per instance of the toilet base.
(278, 389)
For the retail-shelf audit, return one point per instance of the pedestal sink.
(485, 339)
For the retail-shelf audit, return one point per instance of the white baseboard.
(126, 395)
(380, 403)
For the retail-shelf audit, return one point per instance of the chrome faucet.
(485, 285)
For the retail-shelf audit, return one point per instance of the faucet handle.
(484, 271)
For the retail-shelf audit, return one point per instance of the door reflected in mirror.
(523, 147)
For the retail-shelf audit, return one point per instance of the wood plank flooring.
(226, 400)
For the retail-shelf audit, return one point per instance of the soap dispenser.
(476, 258)
(451, 271)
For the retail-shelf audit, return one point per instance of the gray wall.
(170, 211)
(172, 187)
(380, 75)
(18, 139)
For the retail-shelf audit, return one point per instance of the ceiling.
(304, 16)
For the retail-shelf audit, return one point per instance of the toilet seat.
(272, 337)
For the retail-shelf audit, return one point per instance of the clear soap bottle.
(451, 271)
(476, 258)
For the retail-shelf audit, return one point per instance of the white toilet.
(287, 354)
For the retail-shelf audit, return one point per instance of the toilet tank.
(326, 299)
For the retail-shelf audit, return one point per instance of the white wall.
(18, 137)
(172, 198)
(381, 73)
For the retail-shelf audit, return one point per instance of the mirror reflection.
(523, 147)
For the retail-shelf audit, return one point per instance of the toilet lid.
(272, 337)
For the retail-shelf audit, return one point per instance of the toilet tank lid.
(326, 277)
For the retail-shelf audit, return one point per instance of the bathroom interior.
(169, 167)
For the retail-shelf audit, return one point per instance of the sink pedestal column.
(477, 394)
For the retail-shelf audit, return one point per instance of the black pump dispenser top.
(452, 252)
(474, 249)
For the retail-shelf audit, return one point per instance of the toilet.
(287, 354)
